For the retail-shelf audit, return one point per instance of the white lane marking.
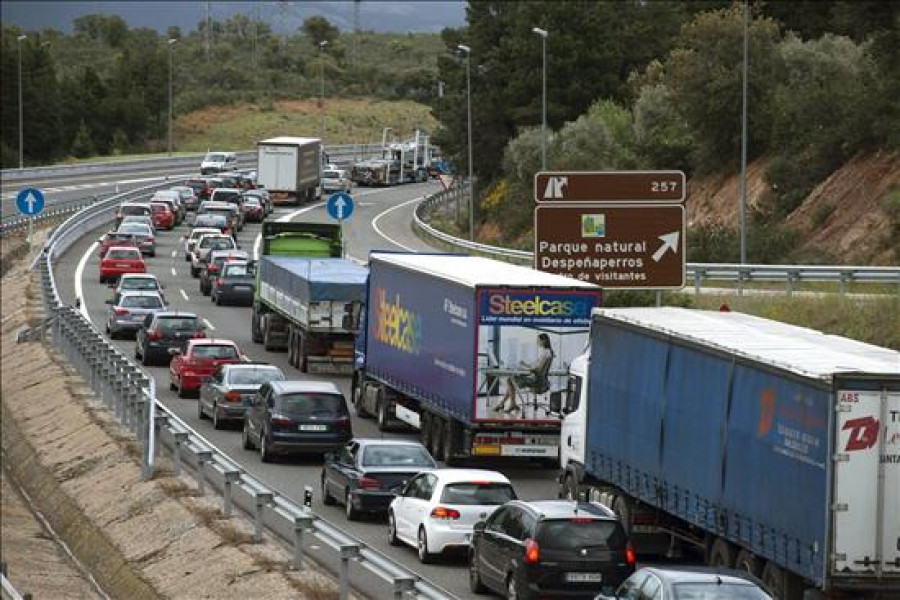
(174, 253)
(184, 295)
(209, 325)
(79, 271)
(258, 241)
(174, 272)
(393, 208)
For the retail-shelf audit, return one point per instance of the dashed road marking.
(209, 325)
(174, 272)
(184, 295)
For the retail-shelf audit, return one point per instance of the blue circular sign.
(30, 201)
(339, 206)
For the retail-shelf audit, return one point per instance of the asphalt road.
(381, 221)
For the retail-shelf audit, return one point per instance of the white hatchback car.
(191, 239)
(336, 180)
(436, 510)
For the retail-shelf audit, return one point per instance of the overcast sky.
(284, 17)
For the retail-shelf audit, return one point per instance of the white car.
(191, 239)
(336, 180)
(436, 510)
(139, 282)
(206, 244)
(217, 162)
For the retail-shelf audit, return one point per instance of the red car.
(199, 359)
(115, 238)
(120, 260)
(163, 217)
(253, 209)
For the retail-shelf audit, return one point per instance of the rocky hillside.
(843, 220)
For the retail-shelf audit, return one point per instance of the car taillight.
(199, 334)
(121, 311)
(369, 483)
(444, 513)
(220, 281)
(343, 423)
(281, 421)
(213, 268)
(532, 552)
(630, 556)
(232, 397)
(154, 334)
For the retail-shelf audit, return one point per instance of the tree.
(319, 30)
(83, 145)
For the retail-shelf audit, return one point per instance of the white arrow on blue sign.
(339, 206)
(30, 201)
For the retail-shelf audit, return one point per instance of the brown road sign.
(599, 186)
(625, 246)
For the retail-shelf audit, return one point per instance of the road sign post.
(340, 207)
(30, 202)
(616, 229)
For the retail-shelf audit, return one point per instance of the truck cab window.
(573, 393)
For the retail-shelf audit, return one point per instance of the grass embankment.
(346, 121)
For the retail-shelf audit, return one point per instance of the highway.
(381, 220)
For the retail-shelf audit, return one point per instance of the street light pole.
(322, 45)
(743, 190)
(468, 52)
(543, 34)
(19, 41)
(171, 43)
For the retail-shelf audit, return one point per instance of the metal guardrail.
(56, 213)
(130, 393)
(7, 590)
(697, 273)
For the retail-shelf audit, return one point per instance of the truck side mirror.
(556, 402)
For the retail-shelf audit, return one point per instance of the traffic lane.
(290, 476)
(58, 193)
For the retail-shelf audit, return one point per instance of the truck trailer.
(450, 345)
(269, 325)
(290, 168)
(771, 448)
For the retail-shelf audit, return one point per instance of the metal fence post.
(203, 457)
(402, 585)
(348, 551)
(180, 438)
(231, 477)
(263, 499)
(301, 524)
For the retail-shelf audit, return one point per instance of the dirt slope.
(857, 228)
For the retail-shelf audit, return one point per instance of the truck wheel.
(384, 421)
(773, 578)
(425, 430)
(622, 510)
(359, 403)
(721, 554)
(267, 344)
(302, 363)
(255, 333)
(292, 354)
(747, 561)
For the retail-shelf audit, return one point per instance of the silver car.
(336, 180)
(144, 234)
(127, 311)
(226, 395)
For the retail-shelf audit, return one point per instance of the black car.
(689, 583)
(226, 395)
(212, 267)
(166, 330)
(549, 549)
(364, 473)
(234, 284)
(296, 416)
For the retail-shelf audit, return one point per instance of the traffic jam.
(562, 547)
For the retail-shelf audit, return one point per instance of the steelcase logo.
(395, 325)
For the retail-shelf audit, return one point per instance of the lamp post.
(322, 45)
(543, 34)
(171, 43)
(19, 41)
(743, 191)
(468, 52)
(384, 140)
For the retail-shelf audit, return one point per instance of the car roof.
(466, 475)
(177, 313)
(386, 442)
(295, 385)
(688, 574)
(562, 509)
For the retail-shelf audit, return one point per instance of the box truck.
(772, 448)
(290, 168)
(471, 351)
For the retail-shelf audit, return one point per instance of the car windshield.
(141, 302)
(235, 271)
(324, 405)
(214, 158)
(213, 242)
(254, 375)
(134, 209)
(119, 237)
(179, 323)
(123, 253)
(331, 174)
(251, 201)
(226, 196)
(159, 207)
(136, 228)
(139, 283)
(215, 351)
(718, 591)
(397, 456)
(478, 493)
(574, 533)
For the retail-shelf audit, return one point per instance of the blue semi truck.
(472, 352)
(771, 448)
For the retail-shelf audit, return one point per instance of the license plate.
(584, 577)
(242, 288)
(468, 537)
(123, 266)
(313, 428)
